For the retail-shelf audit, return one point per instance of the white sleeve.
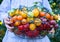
(46, 5)
(4, 7)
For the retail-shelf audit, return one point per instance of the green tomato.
(30, 14)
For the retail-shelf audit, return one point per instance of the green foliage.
(55, 5)
(1, 1)
(2, 31)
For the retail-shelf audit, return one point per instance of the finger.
(6, 19)
(7, 22)
(9, 27)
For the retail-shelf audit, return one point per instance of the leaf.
(35, 3)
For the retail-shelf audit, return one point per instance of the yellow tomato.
(32, 27)
(37, 22)
(17, 23)
(24, 15)
(29, 19)
(56, 17)
(24, 21)
(36, 12)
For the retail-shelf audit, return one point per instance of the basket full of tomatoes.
(32, 23)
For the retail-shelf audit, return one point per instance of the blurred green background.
(55, 5)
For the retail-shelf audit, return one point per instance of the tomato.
(37, 22)
(14, 18)
(42, 14)
(36, 12)
(30, 14)
(51, 18)
(48, 16)
(32, 27)
(21, 27)
(56, 17)
(32, 34)
(30, 19)
(26, 25)
(17, 23)
(24, 21)
(24, 15)
(19, 17)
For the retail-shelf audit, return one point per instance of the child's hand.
(8, 24)
(52, 32)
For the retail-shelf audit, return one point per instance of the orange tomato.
(48, 16)
(42, 14)
(17, 23)
(24, 21)
(51, 18)
(19, 17)
(14, 18)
